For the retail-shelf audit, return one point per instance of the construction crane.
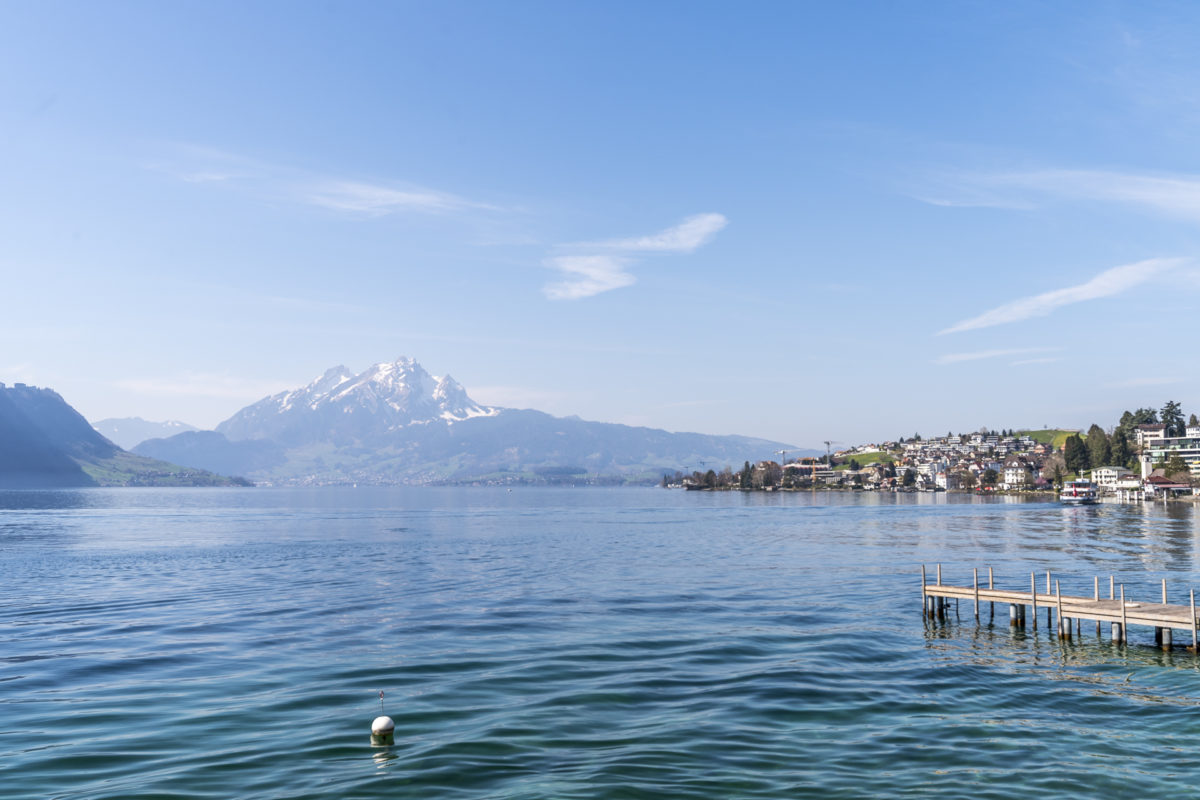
(828, 458)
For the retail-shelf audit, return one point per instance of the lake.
(575, 643)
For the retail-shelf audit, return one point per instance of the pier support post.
(1192, 595)
(1117, 634)
(991, 604)
(1125, 629)
(1064, 626)
(924, 596)
(975, 574)
(1021, 616)
(1013, 615)
(1048, 591)
(1096, 597)
(1166, 639)
(1033, 597)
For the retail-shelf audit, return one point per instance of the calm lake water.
(557, 643)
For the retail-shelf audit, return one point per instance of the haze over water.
(574, 643)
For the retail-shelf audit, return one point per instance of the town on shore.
(1148, 454)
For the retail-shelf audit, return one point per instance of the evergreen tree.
(1193, 421)
(1075, 453)
(1172, 416)
(989, 477)
(1120, 452)
(910, 477)
(1099, 447)
(1175, 466)
(744, 477)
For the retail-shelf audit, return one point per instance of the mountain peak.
(385, 397)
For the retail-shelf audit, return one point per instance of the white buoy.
(382, 727)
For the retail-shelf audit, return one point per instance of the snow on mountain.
(342, 406)
(129, 432)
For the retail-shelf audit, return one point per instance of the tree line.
(1119, 449)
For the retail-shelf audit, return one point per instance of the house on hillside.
(1018, 473)
(1146, 435)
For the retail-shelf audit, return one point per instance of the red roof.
(1166, 483)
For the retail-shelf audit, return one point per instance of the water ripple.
(598, 644)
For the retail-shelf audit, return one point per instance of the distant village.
(1149, 454)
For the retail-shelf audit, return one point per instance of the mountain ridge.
(129, 432)
(46, 443)
(396, 423)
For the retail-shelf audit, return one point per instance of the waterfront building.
(1108, 477)
(1160, 450)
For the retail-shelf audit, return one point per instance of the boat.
(1078, 493)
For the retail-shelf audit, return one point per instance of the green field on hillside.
(1051, 436)
(864, 459)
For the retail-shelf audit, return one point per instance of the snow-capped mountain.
(396, 423)
(129, 432)
(341, 406)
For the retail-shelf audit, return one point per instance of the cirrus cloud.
(587, 275)
(1108, 283)
(693, 232)
(590, 273)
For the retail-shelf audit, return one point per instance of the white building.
(1109, 477)
(1146, 435)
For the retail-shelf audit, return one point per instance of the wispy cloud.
(1176, 195)
(685, 237)
(587, 276)
(368, 198)
(1024, 361)
(197, 384)
(377, 200)
(955, 358)
(591, 273)
(1108, 283)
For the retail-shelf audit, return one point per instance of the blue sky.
(845, 221)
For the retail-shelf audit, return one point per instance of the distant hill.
(129, 432)
(44, 442)
(214, 452)
(396, 423)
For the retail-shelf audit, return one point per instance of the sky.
(799, 221)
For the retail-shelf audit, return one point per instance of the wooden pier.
(1065, 611)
